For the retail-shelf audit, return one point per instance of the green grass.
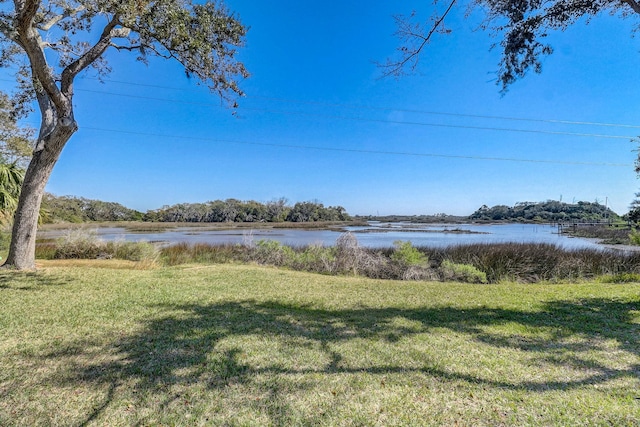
(245, 345)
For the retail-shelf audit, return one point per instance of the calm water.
(374, 235)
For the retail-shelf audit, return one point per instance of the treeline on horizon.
(80, 209)
(549, 211)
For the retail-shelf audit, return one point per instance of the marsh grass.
(184, 253)
(533, 262)
(84, 244)
(474, 263)
(478, 263)
(258, 346)
(611, 235)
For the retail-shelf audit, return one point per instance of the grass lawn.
(104, 344)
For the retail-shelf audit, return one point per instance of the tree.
(634, 210)
(523, 24)
(202, 37)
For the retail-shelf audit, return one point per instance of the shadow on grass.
(181, 347)
(29, 281)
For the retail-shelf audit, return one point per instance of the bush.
(272, 252)
(462, 272)
(407, 255)
(79, 244)
(355, 260)
(634, 236)
(315, 258)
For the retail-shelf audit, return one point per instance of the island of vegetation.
(550, 211)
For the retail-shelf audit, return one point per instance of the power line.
(368, 107)
(404, 110)
(361, 151)
(399, 122)
(364, 119)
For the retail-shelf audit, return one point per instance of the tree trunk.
(25, 225)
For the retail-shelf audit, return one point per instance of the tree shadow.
(29, 281)
(182, 346)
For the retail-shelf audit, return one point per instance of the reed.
(479, 263)
(83, 244)
(533, 262)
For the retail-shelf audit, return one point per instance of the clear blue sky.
(319, 122)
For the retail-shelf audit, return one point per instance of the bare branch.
(409, 32)
(151, 48)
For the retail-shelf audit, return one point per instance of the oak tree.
(50, 43)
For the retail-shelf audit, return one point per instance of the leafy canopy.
(522, 24)
(202, 37)
(15, 140)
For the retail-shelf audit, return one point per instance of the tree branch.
(54, 20)
(28, 38)
(90, 56)
(634, 5)
(395, 68)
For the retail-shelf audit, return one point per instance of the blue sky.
(319, 122)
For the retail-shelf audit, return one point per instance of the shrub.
(414, 272)
(634, 236)
(272, 252)
(407, 255)
(353, 259)
(79, 244)
(462, 272)
(316, 258)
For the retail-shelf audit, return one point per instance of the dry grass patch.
(111, 264)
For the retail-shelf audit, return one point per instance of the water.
(374, 235)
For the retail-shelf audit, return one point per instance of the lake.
(376, 234)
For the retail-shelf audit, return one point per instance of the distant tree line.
(233, 210)
(79, 209)
(549, 211)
